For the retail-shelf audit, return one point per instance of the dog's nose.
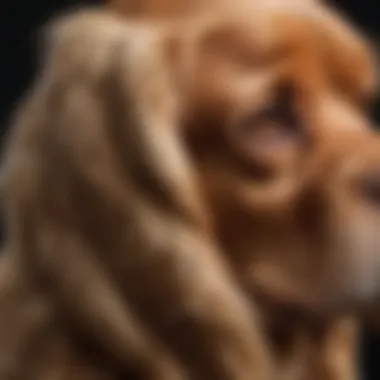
(370, 185)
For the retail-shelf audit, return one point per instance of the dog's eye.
(271, 136)
(274, 126)
(282, 111)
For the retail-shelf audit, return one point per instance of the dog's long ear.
(100, 142)
(133, 71)
(65, 135)
(155, 146)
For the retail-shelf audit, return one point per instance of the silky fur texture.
(153, 199)
(334, 354)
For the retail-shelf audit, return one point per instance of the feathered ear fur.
(64, 142)
(108, 205)
(135, 78)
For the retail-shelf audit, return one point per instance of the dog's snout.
(370, 185)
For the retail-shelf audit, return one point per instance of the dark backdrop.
(19, 22)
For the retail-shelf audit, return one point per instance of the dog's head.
(275, 121)
(268, 104)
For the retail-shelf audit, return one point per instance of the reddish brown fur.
(73, 187)
(350, 56)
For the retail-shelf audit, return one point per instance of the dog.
(338, 339)
(243, 177)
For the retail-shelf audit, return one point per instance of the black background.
(19, 24)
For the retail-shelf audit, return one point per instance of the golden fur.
(112, 178)
(355, 69)
(145, 164)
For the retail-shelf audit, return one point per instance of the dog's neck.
(296, 339)
(292, 328)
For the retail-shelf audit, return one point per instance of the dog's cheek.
(312, 213)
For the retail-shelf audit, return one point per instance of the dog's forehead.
(298, 30)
